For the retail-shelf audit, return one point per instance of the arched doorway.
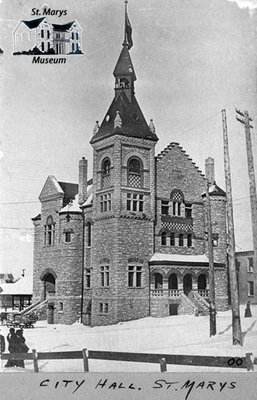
(202, 282)
(49, 284)
(187, 284)
(173, 282)
(158, 281)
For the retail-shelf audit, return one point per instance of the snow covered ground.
(171, 335)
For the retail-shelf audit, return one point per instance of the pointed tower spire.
(129, 120)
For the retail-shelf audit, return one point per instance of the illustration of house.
(46, 37)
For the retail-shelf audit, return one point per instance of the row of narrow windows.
(46, 34)
(176, 208)
(183, 239)
(134, 277)
(135, 202)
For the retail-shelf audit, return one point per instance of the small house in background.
(246, 276)
(47, 38)
(17, 295)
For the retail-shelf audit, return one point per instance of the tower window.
(88, 278)
(250, 264)
(88, 233)
(67, 237)
(105, 281)
(105, 202)
(134, 173)
(134, 276)
(251, 288)
(49, 235)
(164, 207)
(163, 238)
(61, 306)
(106, 173)
(181, 239)
(135, 202)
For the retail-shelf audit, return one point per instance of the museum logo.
(41, 37)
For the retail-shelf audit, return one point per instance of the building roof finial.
(151, 126)
(96, 128)
(118, 120)
(128, 29)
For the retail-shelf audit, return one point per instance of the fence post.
(163, 365)
(249, 361)
(35, 362)
(85, 360)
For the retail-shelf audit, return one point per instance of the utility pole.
(246, 121)
(213, 330)
(236, 323)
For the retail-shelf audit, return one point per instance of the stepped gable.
(167, 149)
(133, 120)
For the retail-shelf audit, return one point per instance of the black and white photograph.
(128, 206)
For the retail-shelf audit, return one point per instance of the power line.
(14, 228)
(19, 202)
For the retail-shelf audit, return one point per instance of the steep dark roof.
(64, 27)
(33, 23)
(133, 120)
(1, 51)
(70, 191)
(124, 64)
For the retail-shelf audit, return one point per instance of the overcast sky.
(192, 59)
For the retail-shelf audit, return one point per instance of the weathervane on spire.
(128, 29)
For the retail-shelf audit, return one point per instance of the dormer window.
(134, 173)
(106, 173)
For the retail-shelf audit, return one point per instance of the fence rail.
(246, 362)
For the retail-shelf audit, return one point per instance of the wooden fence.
(163, 360)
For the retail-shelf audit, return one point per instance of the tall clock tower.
(123, 202)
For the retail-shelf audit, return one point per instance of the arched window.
(49, 237)
(177, 199)
(134, 173)
(173, 282)
(181, 239)
(106, 173)
(189, 240)
(172, 239)
(158, 280)
(164, 238)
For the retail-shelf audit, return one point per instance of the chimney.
(209, 170)
(82, 180)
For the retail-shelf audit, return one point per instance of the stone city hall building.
(130, 242)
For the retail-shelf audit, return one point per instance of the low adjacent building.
(247, 277)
